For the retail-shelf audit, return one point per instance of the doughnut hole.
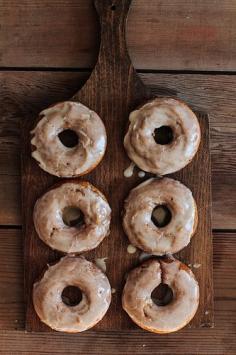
(163, 135)
(162, 295)
(71, 296)
(68, 138)
(161, 216)
(72, 216)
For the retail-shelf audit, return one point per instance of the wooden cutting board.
(113, 90)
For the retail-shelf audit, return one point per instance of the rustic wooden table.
(183, 48)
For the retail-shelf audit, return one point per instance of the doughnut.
(163, 136)
(77, 272)
(143, 309)
(139, 216)
(84, 151)
(74, 197)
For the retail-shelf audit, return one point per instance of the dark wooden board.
(113, 90)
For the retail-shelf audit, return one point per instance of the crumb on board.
(131, 249)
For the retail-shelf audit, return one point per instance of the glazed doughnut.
(52, 229)
(163, 157)
(138, 216)
(138, 302)
(78, 272)
(63, 161)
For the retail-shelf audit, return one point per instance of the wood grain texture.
(26, 40)
(170, 34)
(113, 90)
(27, 93)
(219, 340)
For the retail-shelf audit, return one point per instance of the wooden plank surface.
(179, 35)
(219, 340)
(170, 34)
(22, 93)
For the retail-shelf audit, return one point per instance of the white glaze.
(72, 271)
(131, 249)
(162, 159)
(197, 266)
(101, 263)
(130, 170)
(51, 228)
(138, 208)
(137, 301)
(62, 161)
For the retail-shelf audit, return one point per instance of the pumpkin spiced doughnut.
(146, 310)
(76, 272)
(69, 140)
(163, 136)
(72, 217)
(141, 209)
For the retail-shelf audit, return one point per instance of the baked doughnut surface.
(51, 228)
(162, 158)
(63, 161)
(138, 211)
(137, 295)
(72, 271)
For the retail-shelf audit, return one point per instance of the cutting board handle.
(113, 16)
(120, 8)
(113, 63)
